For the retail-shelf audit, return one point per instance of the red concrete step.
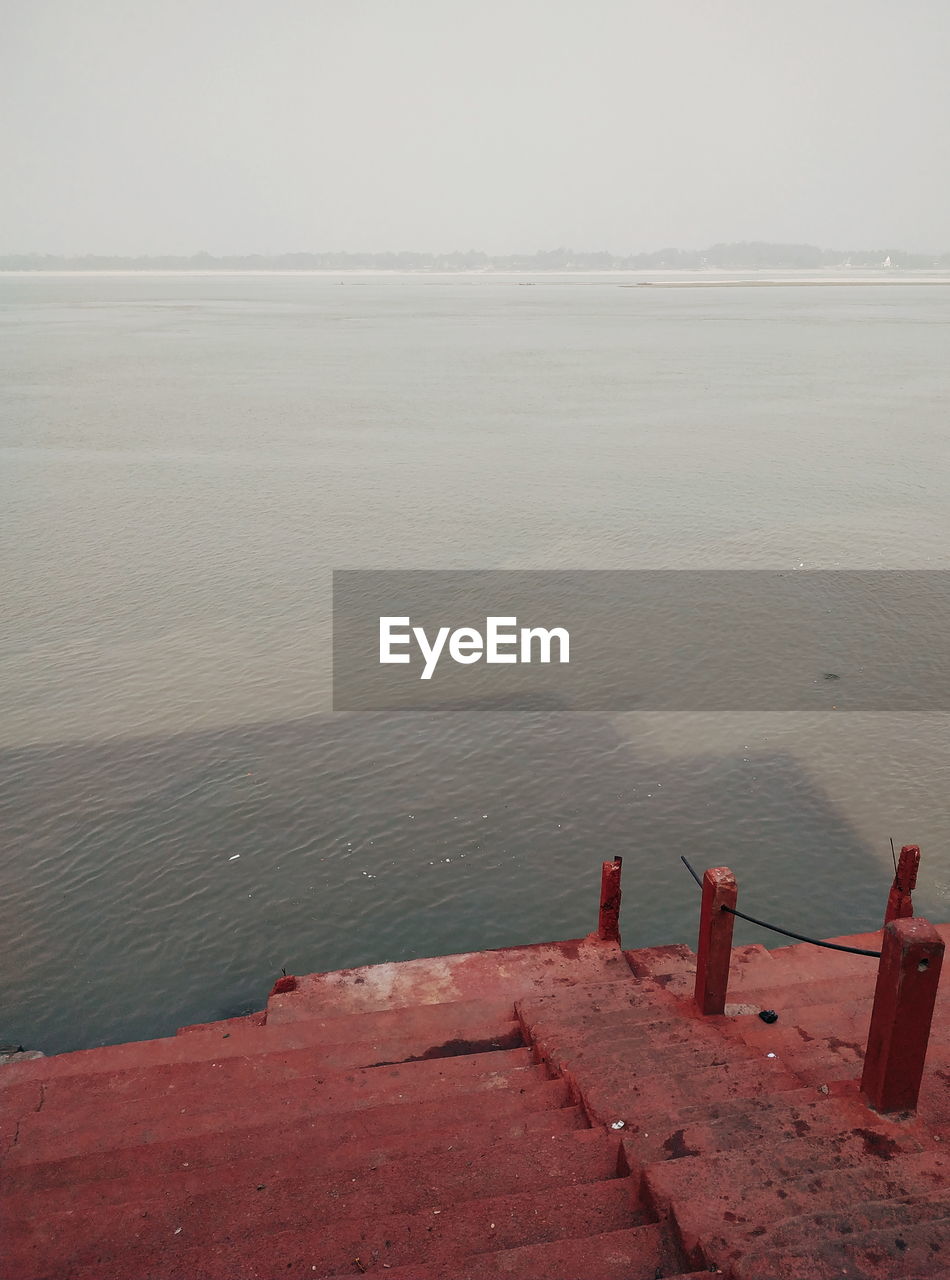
(226, 1025)
(759, 1122)
(430, 1025)
(461, 1271)
(723, 1201)
(560, 1039)
(803, 963)
(19, 1100)
(816, 1062)
(621, 1011)
(656, 1082)
(787, 1034)
(674, 966)
(639, 1253)
(250, 1198)
(806, 962)
(822, 1043)
(92, 1120)
(219, 1138)
(872, 1215)
(734, 1109)
(359, 1043)
(738, 1079)
(645, 1027)
(407, 1243)
(186, 1084)
(622, 1068)
(509, 972)
(623, 993)
(392, 1035)
(562, 1036)
(646, 1049)
(774, 973)
(907, 1251)
(794, 995)
(650, 1129)
(436, 1021)
(612, 1093)
(252, 1152)
(645, 1059)
(845, 1023)
(673, 957)
(366, 1052)
(657, 1022)
(771, 989)
(620, 1253)
(933, 1108)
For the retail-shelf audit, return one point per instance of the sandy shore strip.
(773, 284)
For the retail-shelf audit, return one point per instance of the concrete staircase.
(388, 1121)
(751, 1139)
(557, 1112)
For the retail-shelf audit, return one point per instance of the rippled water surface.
(183, 461)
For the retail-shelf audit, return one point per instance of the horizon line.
(561, 251)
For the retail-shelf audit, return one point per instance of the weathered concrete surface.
(479, 975)
(558, 1112)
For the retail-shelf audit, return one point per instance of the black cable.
(691, 871)
(815, 942)
(800, 937)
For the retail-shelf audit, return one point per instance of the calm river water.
(184, 460)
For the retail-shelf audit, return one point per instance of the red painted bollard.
(714, 951)
(608, 925)
(907, 978)
(899, 904)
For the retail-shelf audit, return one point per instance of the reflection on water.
(362, 838)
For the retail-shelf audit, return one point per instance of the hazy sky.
(149, 126)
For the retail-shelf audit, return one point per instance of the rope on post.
(799, 937)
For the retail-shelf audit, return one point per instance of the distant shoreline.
(731, 258)
(626, 279)
(772, 284)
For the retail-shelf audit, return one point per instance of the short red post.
(899, 904)
(608, 925)
(714, 951)
(907, 978)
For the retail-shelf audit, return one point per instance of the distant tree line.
(748, 255)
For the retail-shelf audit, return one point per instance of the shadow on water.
(153, 883)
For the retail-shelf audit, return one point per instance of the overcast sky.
(234, 126)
